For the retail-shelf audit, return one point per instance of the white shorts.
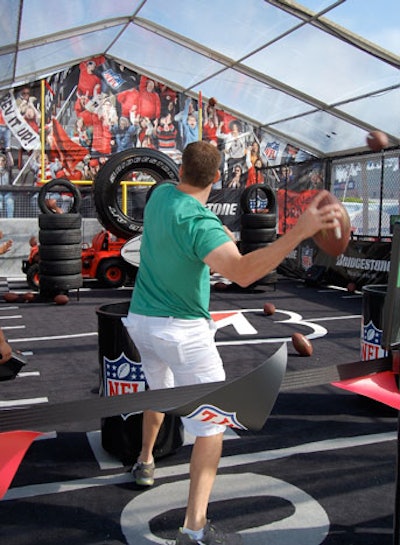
(176, 352)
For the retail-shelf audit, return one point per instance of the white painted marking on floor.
(294, 318)
(106, 460)
(308, 524)
(332, 318)
(55, 337)
(182, 470)
(20, 402)
(332, 289)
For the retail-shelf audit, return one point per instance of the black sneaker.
(212, 536)
(143, 473)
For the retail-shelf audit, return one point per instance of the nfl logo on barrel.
(123, 376)
(371, 338)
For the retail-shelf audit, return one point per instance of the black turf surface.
(335, 448)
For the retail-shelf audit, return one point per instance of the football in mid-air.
(334, 241)
(377, 140)
(302, 345)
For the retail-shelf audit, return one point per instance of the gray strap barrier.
(244, 403)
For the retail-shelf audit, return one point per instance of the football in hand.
(334, 241)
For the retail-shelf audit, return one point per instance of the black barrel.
(121, 373)
(372, 322)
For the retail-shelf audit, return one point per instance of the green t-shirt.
(178, 234)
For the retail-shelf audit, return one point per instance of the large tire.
(258, 221)
(60, 267)
(60, 283)
(60, 252)
(62, 185)
(111, 273)
(271, 277)
(152, 188)
(60, 236)
(107, 186)
(257, 194)
(60, 221)
(247, 247)
(258, 235)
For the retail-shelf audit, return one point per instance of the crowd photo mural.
(98, 108)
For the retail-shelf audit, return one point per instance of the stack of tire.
(60, 241)
(258, 223)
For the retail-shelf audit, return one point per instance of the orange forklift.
(101, 261)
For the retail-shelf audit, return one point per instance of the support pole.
(42, 130)
(200, 115)
(396, 511)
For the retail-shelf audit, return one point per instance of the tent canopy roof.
(293, 69)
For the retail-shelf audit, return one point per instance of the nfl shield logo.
(215, 415)
(123, 376)
(371, 342)
(113, 79)
(306, 257)
(271, 150)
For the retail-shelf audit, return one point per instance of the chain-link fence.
(22, 202)
(369, 187)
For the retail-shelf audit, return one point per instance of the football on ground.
(302, 345)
